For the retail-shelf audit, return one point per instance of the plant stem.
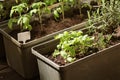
(40, 20)
(63, 15)
(79, 6)
(21, 23)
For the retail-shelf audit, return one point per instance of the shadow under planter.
(103, 65)
(19, 55)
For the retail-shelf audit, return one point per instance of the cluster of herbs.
(71, 43)
(99, 32)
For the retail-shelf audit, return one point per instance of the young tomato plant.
(19, 9)
(21, 20)
(39, 8)
(64, 5)
(71, 44)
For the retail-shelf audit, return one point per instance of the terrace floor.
(6, 73)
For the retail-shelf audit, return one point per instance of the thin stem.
(40, 19)
(63, 14)
(79, 5)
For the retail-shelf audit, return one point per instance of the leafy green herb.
(72, 43)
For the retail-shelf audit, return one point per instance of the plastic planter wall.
(103, 65)
(19, 55)
(2, 49)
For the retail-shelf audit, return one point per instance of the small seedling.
(39, 8)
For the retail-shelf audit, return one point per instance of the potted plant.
(89, 54)
(19, 55)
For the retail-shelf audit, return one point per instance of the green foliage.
(23, 21)
(102, 40)
(65, 4)
(21, 8)
(11, 21)
(39, 8)
(72, 43)
(108, 15)
(50, 2)
(57, 13)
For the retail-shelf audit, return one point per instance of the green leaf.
(56, 52)
(29, 27)
(34, 11)
(70, 59)
(11, 13)
(63, 54)
(19, 22)
(56, 15)
(11, 21)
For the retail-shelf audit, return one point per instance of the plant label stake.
(24, 36)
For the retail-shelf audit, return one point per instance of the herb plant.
(107, 15)
(73, 43)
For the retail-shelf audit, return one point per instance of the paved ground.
(6, 73)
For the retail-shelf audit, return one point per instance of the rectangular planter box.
(103, 65)
(19, 55)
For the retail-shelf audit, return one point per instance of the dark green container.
(103, 65)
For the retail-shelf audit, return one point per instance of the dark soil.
(50, 25)
(60, 60)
